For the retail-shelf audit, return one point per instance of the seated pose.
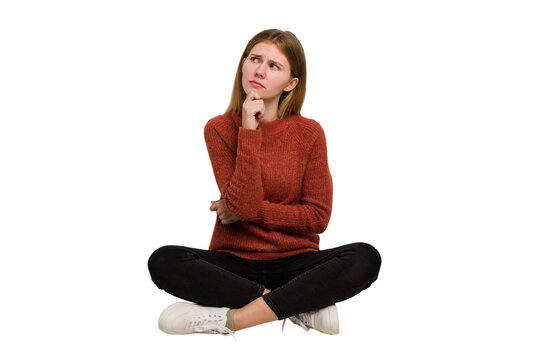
(271, 167)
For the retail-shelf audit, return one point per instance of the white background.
(430, 110)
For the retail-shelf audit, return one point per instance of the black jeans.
(299, 283)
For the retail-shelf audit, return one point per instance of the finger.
(216, 204)
(252, 95)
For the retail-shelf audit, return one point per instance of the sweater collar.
(268, 127)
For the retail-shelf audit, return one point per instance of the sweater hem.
(257, 255)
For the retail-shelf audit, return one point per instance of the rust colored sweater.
(275, 179)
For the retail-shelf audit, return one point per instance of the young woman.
(270, 164)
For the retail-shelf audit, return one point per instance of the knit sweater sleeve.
(312, 214)
(238, 176)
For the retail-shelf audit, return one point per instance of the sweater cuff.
(260, 213)
(249, 142)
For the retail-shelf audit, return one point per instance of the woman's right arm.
(238, 176)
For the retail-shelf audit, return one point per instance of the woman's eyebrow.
(269, 59)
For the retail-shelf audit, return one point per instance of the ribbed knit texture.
(275, 179)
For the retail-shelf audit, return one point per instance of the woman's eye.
(253, 58)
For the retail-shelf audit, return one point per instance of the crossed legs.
(300, 283)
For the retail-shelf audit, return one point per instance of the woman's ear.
(292, 84)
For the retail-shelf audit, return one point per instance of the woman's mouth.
(256, 84)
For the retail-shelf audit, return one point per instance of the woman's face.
(269, 67)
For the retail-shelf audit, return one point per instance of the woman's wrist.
(249, 127)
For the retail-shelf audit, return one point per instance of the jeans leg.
(205, 277)
(330, 276)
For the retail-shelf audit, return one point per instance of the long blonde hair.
(290, 102)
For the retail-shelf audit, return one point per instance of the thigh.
(281, 271)
(174, 254)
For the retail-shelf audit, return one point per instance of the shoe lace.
(304, 320)
(210, 325)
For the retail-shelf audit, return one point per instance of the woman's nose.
(259, 70)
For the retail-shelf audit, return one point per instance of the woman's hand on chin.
(252, 110)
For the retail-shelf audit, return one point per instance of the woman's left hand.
(223, 212)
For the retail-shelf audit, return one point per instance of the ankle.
(230, 319)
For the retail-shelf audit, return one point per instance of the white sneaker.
(324, 320)
(186, 318)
